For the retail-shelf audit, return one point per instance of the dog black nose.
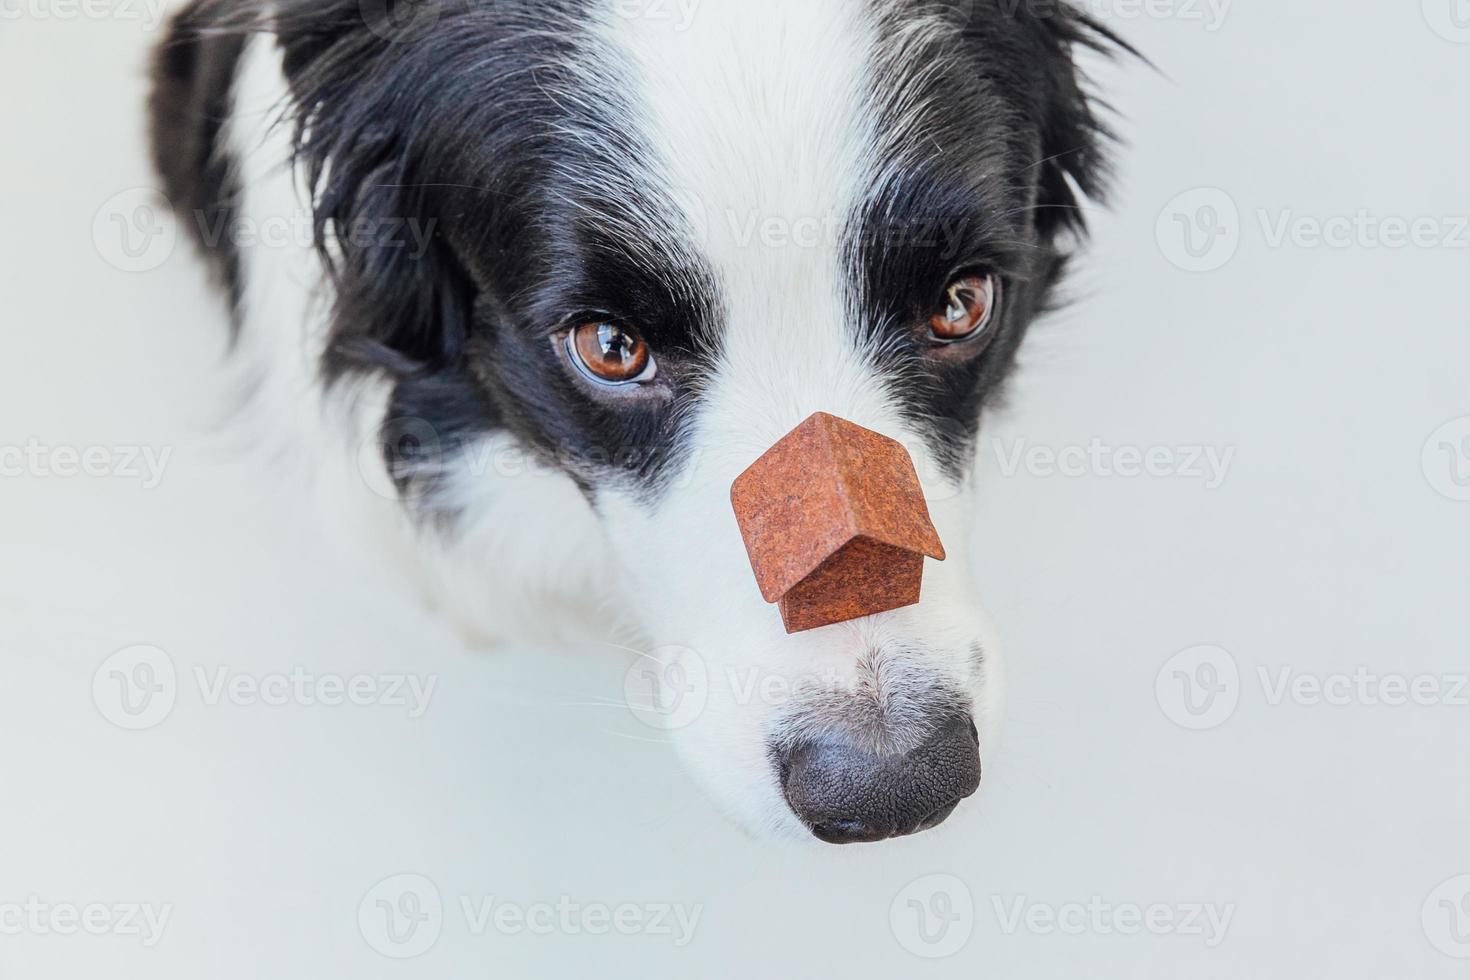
(849, 796)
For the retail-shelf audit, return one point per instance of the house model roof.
(827, 484)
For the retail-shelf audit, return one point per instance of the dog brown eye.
(611, 355)
(967, 309)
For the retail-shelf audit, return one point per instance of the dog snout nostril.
(847, 796)
(847, 832)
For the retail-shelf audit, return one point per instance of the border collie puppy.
(570, 266)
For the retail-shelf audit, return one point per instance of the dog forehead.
(759, 117)
(754, 105)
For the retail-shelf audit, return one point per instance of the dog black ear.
(403, 302)
(193, 71)
(1043, 39)
(1075, 140)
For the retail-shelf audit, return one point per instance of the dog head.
(667, 233)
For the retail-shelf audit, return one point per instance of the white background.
(1328, 547)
